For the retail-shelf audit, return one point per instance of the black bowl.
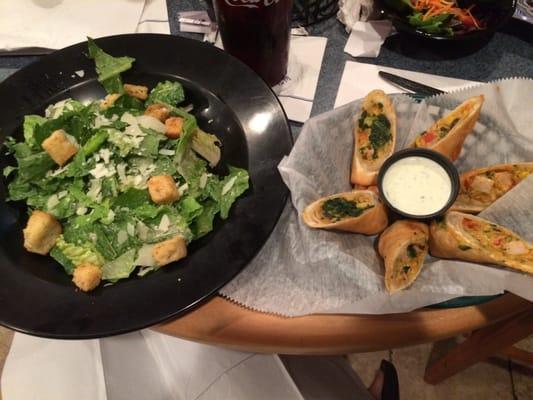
(443, 161)
(495, 13)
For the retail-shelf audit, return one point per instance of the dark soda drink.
(257, 32)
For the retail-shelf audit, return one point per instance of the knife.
(410, 85)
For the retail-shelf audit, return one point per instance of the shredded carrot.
(432, 8)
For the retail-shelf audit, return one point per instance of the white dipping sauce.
(417, 185)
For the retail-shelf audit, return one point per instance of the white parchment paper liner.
(302, 271)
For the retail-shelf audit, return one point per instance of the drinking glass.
(257, 32)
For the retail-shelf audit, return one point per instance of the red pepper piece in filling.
(429, 137)
(470, 224)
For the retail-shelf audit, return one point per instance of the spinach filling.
(443, 131)
(339, 208)
(379, 126)
(411, 251)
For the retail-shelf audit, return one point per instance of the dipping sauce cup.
(418, 183)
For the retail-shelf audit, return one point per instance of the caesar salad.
(120, 186)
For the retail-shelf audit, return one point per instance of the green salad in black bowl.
(449, 20)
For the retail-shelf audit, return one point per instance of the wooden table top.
(222, 322)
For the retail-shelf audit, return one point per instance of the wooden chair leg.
(519, 355)
(482, 344)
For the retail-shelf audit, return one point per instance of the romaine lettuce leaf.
(95, 234)
(132, 198)
(206, 145)
(121, 267)
(124, 104)
(80, 253)
(166, 92)
(189, 208)
(191, 168)
(95, 141)
(34, 166)
(149, 147)
(77, 123)
(233, 185)
(30, 122)
(203, 223)
(56, 110)
(108, 67)
(65, 262)
(185, 140)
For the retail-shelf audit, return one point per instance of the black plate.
(230, 100)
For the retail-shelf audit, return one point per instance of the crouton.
(60, 147)
(173, 127)
(162, 189)
(159, 111)
(109, 100)
(169, 250)
(41, 232)
(87, 276)
(137, 91)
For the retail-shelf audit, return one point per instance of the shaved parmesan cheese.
(121, 171)
(93, 237)
(72, 139)
(142, 230)
(57, 171)
(81, 210)
(145, 257)
(110, 216)
(183, 188)
(227, 187)
(164, 224)
(122, 236)
(100, 171)
(62, 194)
(105, 154)
(55, 110)
(147, 121)
(52, 201)
(128, 118)
(130, 229)
(203, 180)
(95, 189)
(80, 73)
(167, 152)
(101, 120)
(144, 270)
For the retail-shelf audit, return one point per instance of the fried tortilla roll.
(482, 187)
(358, 211)
(403, 246)
(470, 238)
(448, 134)
(374, 137)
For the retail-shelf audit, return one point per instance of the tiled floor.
(497, 379)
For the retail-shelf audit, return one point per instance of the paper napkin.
(297, 91)
(359, 78)
(352, 11)
(366, 38)
(140, 365)
(154, 18)
(40, 26)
